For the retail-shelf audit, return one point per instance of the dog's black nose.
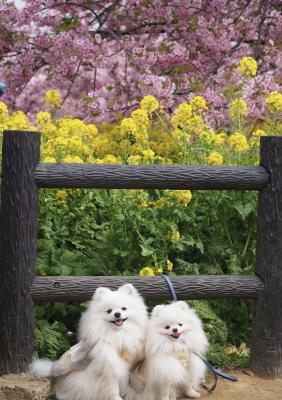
(117, 314)
(175, 330)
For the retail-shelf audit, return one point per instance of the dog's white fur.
(115, 347)
(174, 333)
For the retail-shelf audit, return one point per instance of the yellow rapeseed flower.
(49, 130)
(128, 126)
(4, 116)
(197, 124)
(177, 134)
(259, 133)
(61, 195)
(75, 140)
(110, 159)
(148, 154)
(143, 203)
(206, 136)
(180, 119)
(255, 140)
(53, 98)
(219, 138)
(147, 271)
(70, 126)
(159, 203)
(90, 160)
(160, 270)
(19, 120)
(239, 142)
(43, 118)
(215, 158)
(60, 141)
(140, 117)
(198, 104)
(169, 265)
(274, 101)
(175, 237)
(49, 159)
(3, 108)
(136, 148)
(149, 104)
(183, 197)
(72, 159)
(238, 107)
(91, 130)
(102, 145)
(48, 149)
(134, 160)
(248, 67)
(184, 109)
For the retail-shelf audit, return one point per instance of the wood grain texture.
(18, 221)
(150, 176)
(61, 288)
(266, 349)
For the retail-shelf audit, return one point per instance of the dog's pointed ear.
(182, 304)
(100, 292)
(128, 288)
(156, 310)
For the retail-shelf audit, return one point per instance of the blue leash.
(171, 288)
(216, 372)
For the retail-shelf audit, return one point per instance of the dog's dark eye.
(167, 327)
(124, 308)
(109, 311)
(180, 324)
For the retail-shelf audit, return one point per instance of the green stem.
(214, 205)
(161, 120)
(247, 242)
(227, 233)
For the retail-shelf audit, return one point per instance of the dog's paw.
(136, 382)
(193, 394)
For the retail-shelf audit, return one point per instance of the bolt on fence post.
(18, 234)
(266, 345)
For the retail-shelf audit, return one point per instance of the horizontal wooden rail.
(59, 175)
(71, 288)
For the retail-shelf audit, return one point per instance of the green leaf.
(244, 209)
(146, 250)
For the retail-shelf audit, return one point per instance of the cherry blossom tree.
(105, 55)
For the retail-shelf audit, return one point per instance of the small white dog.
(112, 337)
(171, 368)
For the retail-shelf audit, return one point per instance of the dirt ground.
(249, 387)
(23, 387)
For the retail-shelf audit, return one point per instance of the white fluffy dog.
(112, 337)
(171, 369)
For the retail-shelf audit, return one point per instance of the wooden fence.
(22, 175)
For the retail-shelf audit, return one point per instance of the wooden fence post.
(18, 233)
(266, 347)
